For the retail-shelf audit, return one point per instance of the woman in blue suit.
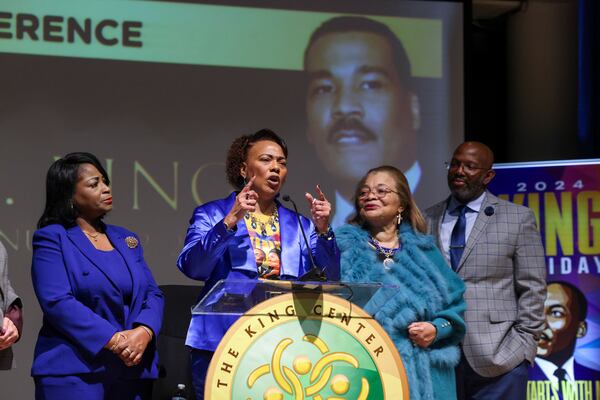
(230, 238)
(102, 308)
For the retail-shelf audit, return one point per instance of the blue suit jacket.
(83, 307)
(210, 253)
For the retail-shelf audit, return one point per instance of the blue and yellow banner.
(565, 197)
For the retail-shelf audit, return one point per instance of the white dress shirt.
(548, 367)
(450, 218)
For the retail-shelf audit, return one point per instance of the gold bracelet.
(148, 330)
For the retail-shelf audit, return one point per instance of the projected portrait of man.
(565, 310)
(361, 110)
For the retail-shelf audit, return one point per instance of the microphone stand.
(315, 274)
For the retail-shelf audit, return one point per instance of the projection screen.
(158, 90)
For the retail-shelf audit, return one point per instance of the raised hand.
(245, 202)
(320, 210)
(422, 334)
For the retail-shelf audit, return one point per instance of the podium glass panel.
(237, 297)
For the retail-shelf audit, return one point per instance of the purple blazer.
(211, 253)
(83, 307)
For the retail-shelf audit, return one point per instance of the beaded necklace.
(257, 220)
(386, 253)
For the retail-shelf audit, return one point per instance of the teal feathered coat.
(430, 291)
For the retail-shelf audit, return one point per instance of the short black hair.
(60, 187)
(579, 297)
(346, 24)
(238, 152)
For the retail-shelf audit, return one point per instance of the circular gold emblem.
(132, 242)
(306, 346)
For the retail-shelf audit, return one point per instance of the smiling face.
(274, 259)
(359, 114)
(92, 198)
(470, 171)
(563, 323)
(379, 210)
(267, 162)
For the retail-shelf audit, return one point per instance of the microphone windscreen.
(286, 197)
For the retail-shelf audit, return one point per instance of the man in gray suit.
(495, 248)
(10, 314)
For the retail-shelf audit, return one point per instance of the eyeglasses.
(470, 168)
(380, 192)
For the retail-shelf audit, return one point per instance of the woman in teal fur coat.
(424, 317)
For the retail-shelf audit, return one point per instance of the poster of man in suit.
(565, 198)
(565, 311)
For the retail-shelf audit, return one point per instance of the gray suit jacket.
(504, 271)
(7, 297)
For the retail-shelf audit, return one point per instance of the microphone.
(315, 273)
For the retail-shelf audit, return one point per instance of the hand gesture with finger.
(245, 202)
(320, 209)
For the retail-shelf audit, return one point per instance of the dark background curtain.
(589, 79)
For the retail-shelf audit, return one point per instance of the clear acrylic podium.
(238, 297)
(301, 340)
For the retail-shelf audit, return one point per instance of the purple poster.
(565, 197)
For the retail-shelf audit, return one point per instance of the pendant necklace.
(94, 237)
(384, 252)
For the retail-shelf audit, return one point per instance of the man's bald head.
(479, 150)
(470, 171)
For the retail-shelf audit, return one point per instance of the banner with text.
(565, 197)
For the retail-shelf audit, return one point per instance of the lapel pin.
(132, 242)
(489, 211)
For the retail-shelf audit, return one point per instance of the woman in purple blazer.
(102, 308)
(250, 235)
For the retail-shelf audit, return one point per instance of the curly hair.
(238, 152)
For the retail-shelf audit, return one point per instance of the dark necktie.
(457, 240)
(560, 373)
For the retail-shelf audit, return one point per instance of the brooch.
(131, 242)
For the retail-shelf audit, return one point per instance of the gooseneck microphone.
(315, 273)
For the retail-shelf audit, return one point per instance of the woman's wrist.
(147, 330)
(230, 222)
(325, 233)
